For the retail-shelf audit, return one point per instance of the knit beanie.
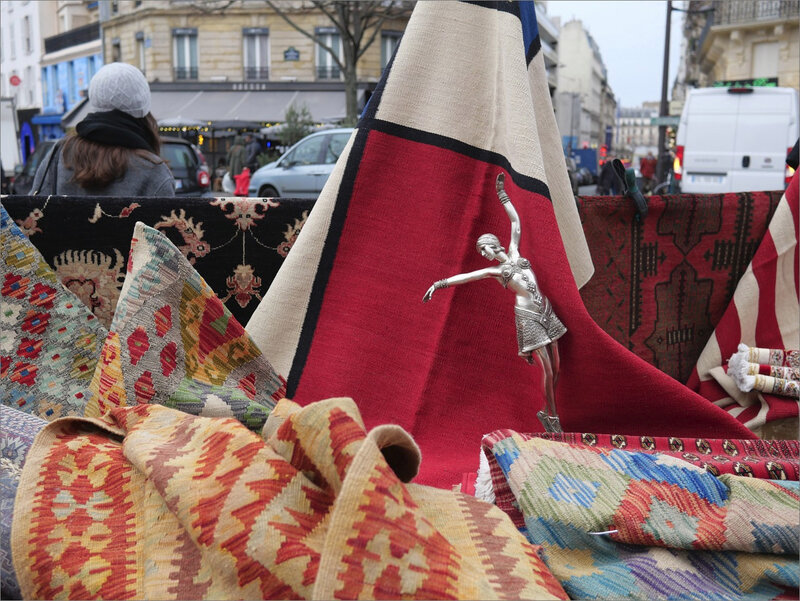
(120, 86)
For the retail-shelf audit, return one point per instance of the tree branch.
(311, 36)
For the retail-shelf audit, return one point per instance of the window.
(116, 51)
(29, 85)
(185, 52)
(326, 65)
(765, 60)
(140, 50)
(389, 42)
(26, 35)
(256, 52)
(71, 93)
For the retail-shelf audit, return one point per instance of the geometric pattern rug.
(159, 504)
(765, 459)
(173, 342)
(49, 341)
(618, 524)
(17, 431)
(662, 284)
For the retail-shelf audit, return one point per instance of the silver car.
(303, 170)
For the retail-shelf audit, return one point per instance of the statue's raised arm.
(516, 226)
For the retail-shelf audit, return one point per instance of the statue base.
(551, 423)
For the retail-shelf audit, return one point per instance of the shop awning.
(46, 119)
(172, 106)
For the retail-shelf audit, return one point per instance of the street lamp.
(663, 111)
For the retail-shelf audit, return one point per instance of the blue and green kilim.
(619, 524)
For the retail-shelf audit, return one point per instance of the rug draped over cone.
(464, 99)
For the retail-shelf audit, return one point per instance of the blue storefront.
(64, 85)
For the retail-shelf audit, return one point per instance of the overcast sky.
(630, 35)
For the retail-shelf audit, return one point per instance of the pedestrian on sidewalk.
(253, 149)
(237, 157)
(114, 150)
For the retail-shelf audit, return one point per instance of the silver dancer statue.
(538, 327)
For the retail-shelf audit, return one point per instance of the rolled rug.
(774, 371)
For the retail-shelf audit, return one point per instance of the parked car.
(184, 159)
(303, 170)
(188, 166)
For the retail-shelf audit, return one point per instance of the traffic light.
(604, 151)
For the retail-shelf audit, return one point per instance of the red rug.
(660, 286)
(403, 208)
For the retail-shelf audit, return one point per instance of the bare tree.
(358, 23)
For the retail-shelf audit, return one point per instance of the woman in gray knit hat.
(114, 151)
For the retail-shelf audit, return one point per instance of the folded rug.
(17, 431)
(618, 524)
(158, 504)
(464, 99)
(173, 342)
(765, 459)
(763, 314)
(774, 371)
(49, 341)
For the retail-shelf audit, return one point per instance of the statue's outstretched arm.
(461, 278)
(516, 226)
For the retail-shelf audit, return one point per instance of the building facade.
(584, 102)
(245, 44)
(549, 29)
(728, 41)
(634, 128)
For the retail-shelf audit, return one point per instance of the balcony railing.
(256, 73)
(730, 12)
(73, 37)
(328, 72)
(185, 73)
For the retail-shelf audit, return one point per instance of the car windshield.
(306, 153)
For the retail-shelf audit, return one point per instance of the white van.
(736, 139)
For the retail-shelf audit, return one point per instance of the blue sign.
(291, 54)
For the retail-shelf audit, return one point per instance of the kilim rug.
(17, 431)
(49, 341)
(464, 99)
(237, 244)
(765, 459)
(159, 504)
(618, 524)
(173, 342)
(661, 285)
(762, 313)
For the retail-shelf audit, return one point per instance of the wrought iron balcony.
(731, 12)
(73, 37)
(328, 72)
(185, 73)
(256, 73)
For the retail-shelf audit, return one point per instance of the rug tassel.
(483, 484)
